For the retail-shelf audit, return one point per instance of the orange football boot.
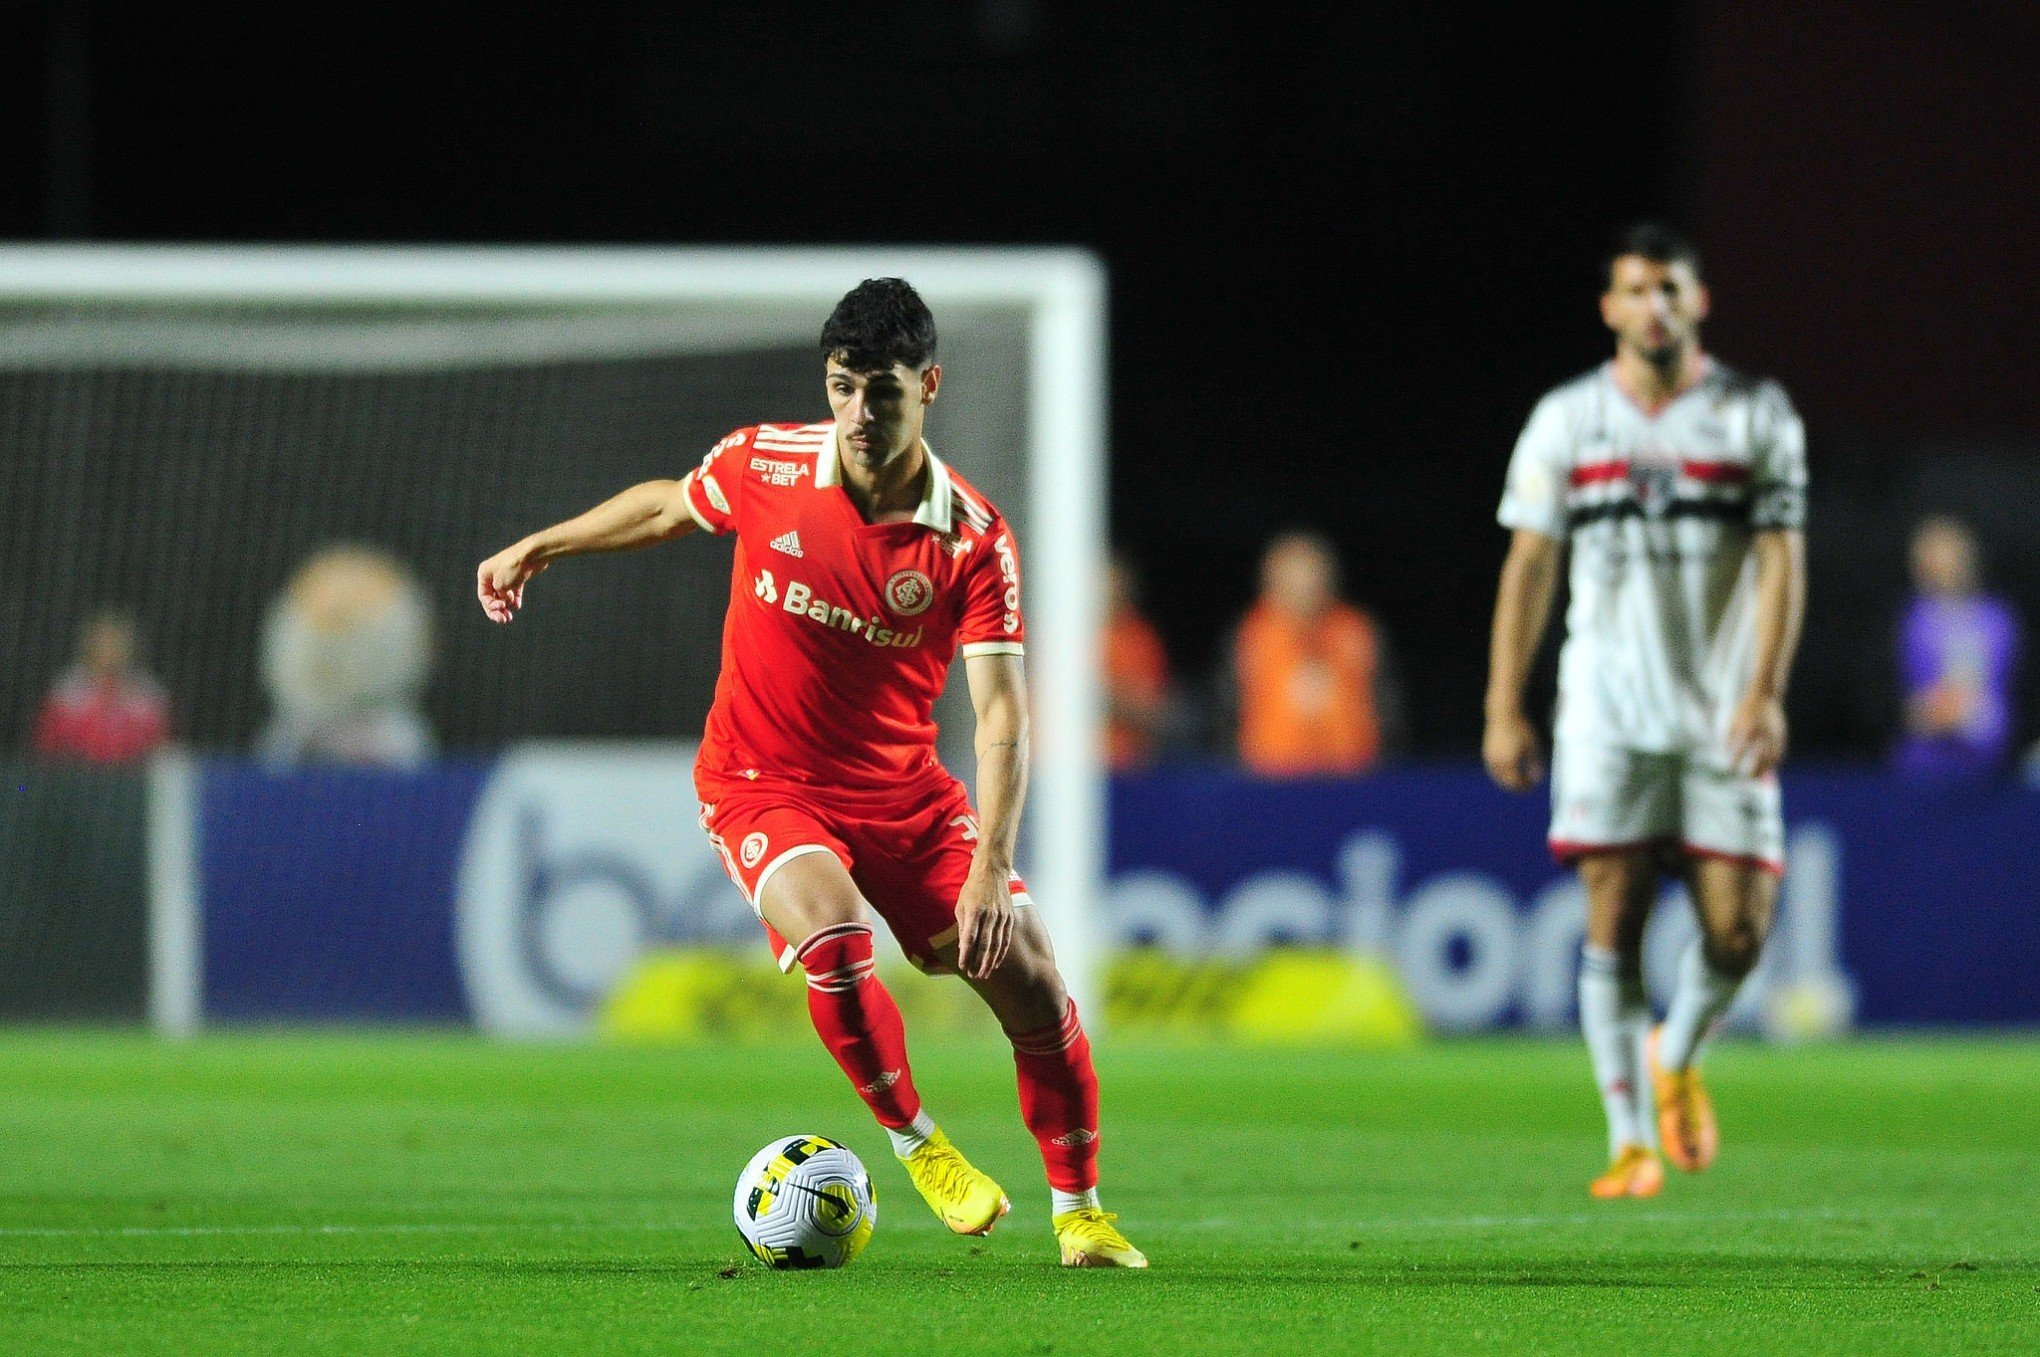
(1636, 1172)
(1686, 1124)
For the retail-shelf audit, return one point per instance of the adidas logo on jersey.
(788, 542)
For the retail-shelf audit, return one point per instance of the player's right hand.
(500, 581)
(1511, 752)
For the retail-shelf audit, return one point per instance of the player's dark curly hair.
(1651, 240)
(880, 322)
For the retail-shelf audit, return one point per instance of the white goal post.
(779, 296)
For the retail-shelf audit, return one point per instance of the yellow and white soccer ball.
(805, 1201)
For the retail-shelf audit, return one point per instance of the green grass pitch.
(401, 1193)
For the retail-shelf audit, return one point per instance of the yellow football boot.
(965, 1200)
(1636, 1172)
(1088, 1239)
(1685, 1114)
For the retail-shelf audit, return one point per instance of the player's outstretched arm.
(1522, 605)
(655, 511)
(1756, 733)
(984, 911)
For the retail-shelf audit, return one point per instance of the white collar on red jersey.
(937, 507)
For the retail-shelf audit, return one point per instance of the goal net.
(244, 457)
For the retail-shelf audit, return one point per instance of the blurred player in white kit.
(1679, 486)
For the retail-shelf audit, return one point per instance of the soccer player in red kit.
(863, 565)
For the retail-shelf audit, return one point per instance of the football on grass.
(805, 1201)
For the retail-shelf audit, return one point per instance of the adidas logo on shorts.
(788, 542)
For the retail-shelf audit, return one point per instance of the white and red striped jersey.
(840, 632)
(1658, 509)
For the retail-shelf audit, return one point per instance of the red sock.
(859, 1022)
(1059, 1100)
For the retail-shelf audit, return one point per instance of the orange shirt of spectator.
(1306, 670)
(1136, 682)
(1136, 673)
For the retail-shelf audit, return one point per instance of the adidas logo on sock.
(788, 542)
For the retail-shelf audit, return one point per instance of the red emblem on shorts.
(751, 849)
(909, 593)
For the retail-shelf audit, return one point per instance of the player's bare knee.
(1035, 1003)
(1042, 984)
(1733, 951)
(808, 894)
(1026, 991)
(1620, 889)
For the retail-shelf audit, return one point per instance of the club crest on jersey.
(803, 600)
(751, 849)
(909, 592)
(1653, 483)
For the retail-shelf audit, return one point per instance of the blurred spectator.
(345, 653)
(105, 709)
(1958, 652)
(1313, 687)
(1136, 676)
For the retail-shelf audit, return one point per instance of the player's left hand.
(984, 922)
(1756, 735)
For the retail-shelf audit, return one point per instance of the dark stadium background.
(1347, 250)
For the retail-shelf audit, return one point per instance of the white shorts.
(1604, 797)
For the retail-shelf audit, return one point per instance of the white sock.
(1643, 1095)
(1060, 1201)
(1702, 996)
(1615, 1019)
(913, 1135)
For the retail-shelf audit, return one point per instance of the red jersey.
(102, 721)
(840, 632)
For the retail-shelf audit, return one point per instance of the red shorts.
(909, 859)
